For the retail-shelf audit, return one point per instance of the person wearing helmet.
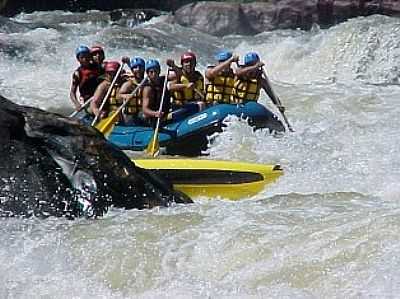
(220, 79)
(85, 78)
(98, 55)
(152, 93)
(111, 68)
(250, 79)
(187, 85)
(132, 111)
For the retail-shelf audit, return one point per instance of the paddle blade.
(154, 147)
(106, 125)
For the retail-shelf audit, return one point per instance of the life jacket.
(157, 89)
(247, 89)
(113, 102)
(88, 80)
(180, 97)
(134, 105)
(220, 89)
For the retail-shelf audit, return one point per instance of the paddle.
(153, 147)
(278, 102)
(108, 93)
(82, 107)
(199, 93)
(106, 125)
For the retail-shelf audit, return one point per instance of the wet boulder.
(215, 18)
(223, 18)
(54, 166)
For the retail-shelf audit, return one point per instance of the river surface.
(328, 228)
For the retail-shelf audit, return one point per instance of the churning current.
(328, 228)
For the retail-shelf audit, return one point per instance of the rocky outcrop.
(54, 166)
(2, 4)
(219, 18)
(9, 7)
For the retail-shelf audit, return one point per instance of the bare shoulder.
(127, 84)
(146, 89)
(75, 75)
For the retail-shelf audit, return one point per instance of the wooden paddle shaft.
(153, 145)
(108, 93)
(113, 117)
(278, 102)
(82, 107)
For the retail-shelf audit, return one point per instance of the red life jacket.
(88, 80)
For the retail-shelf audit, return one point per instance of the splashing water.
(327, 229)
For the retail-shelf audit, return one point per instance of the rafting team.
(104, 86)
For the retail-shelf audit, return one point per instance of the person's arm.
(146, 98)
(211, 73)
(98, 98)
(245, 70)
(265, 84)
(174, 76)
(177, 71)
(174, 85)
(124, 92)
(74, 88)
(125, 75)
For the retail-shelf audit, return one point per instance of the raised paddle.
(284, 116)
(153, 147)
(106, 125)
(278, 103)
(108, 93)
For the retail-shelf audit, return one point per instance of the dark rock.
(390, 8)
(10, 8)
(259, 15)
(292, 14)
(216, 18)
(325, 12)
(52, 164)
(251, 18)
(221, 18)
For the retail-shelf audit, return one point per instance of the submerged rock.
(54, 166)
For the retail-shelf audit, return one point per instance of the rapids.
(327, 229)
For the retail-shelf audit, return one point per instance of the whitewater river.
(328, 228)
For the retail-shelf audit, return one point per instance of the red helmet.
(188, 56)
(111, 66)
(96, 49)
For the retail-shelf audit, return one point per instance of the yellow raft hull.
(212, 178)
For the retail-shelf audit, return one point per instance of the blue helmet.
(137, 61)
(152, 64)
(81, 50)
(251, 58)
(223, 55)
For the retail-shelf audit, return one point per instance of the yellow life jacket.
(134, 105)
(113, 102)
(247, 89)
(220, 89)
(185, 95)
